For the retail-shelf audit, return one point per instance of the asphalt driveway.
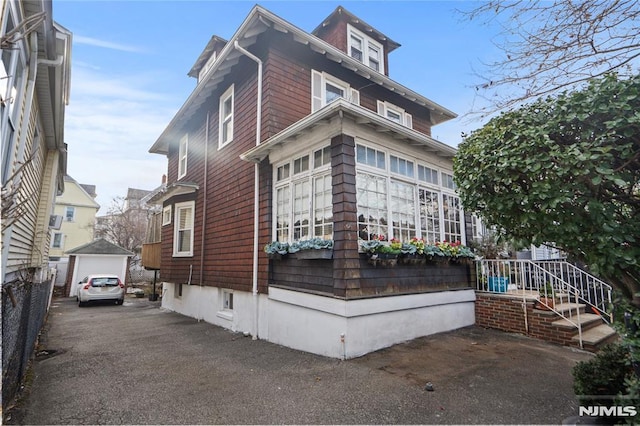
(139, 364)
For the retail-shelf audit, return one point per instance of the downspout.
(205, 199)
(256, 200)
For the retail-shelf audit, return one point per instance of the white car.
(100, 287)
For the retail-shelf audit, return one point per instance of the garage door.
(88, 265)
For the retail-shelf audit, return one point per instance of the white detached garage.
(97, 257)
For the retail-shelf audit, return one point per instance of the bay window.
(399, 188)
(303, 198)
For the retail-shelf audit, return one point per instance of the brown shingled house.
(290, 136)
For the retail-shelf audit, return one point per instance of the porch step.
(596, 337)
(567, 307)
(587, 321)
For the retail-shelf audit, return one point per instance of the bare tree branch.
(552, 46)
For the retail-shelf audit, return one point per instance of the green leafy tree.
(565, 169)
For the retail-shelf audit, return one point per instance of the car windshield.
(104, 281)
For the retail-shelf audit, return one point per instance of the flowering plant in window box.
(380, 252)
(413, 252)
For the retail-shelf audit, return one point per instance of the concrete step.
(566, 307)
(596, 336)
(587, 321)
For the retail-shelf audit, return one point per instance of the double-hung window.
(325, 89)
(13, 68)
(365, 49)
(166, 215)
(226, 118)
(183, 229)
(183, 153)
(303, 197)
(401, 197)
(395, 113)
(56, 242)
(70, 214)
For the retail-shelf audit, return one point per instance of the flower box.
(314, 254)
(413, 259)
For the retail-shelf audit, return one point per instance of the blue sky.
(130, 61)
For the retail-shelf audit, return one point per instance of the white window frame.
(183, 156)
(60, 244)
(226, 121)
(166, 216)
(284, 206)
(384, 212)
(12, 93)
(385, 108)
(319, 81)
(69, 217)
(227, 300)
(179, 208)
(367, 43)
(207, 66)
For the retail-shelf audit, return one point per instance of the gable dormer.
(207, 57)
(357, 39)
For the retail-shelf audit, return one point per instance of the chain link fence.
(24, 309)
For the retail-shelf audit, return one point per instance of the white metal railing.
(593, 292)
(559, 286)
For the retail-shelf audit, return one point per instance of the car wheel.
(81, 303)
(119, 301)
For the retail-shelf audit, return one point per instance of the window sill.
(225, 314)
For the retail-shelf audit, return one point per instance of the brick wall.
(506, 313)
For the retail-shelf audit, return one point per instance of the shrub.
(603, 375)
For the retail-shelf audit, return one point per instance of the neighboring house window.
(226, 118)
(395, 113)
(183, 229)
(12, 78)
(56, 242)
(183, 152)
(166, 216)
(364, 49)
(400, 198)
(303, 197)
(325, 89)
(70, 214)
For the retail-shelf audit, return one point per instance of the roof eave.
(260, 152)
(161, 145)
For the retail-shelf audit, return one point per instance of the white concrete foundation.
(326, 325)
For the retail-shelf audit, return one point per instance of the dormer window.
(207, 66)
(395, 114)
(365, 49)
(325, 89)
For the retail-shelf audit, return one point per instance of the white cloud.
(105, 44)
(110, 124)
